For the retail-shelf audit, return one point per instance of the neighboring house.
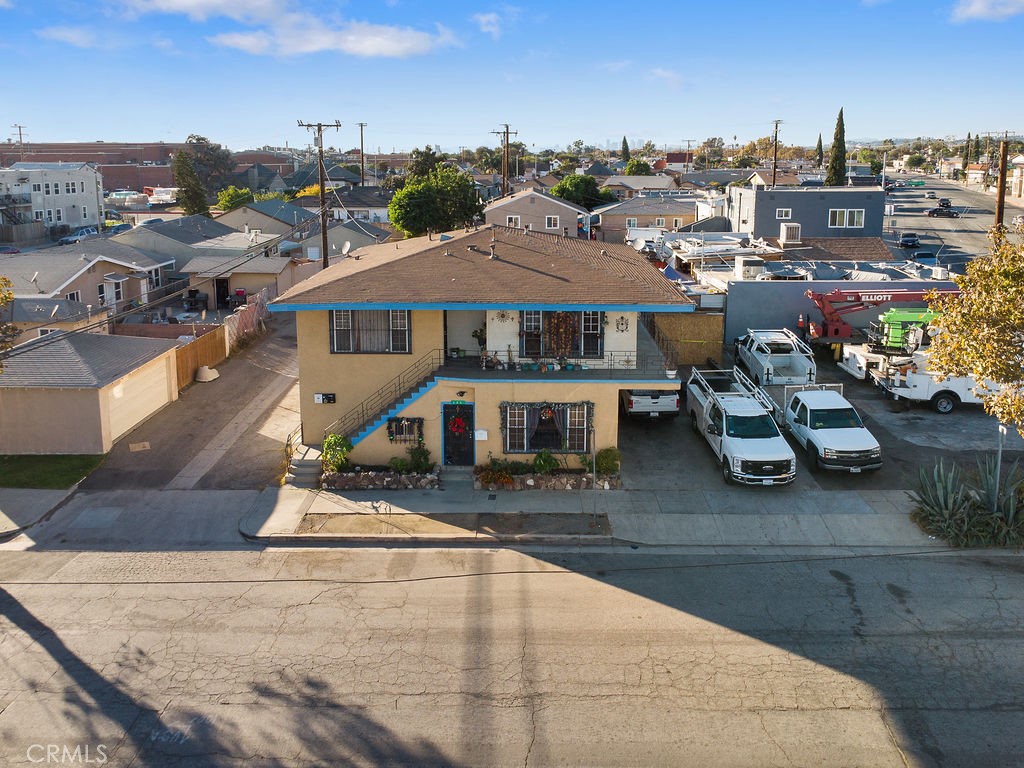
(368, 204)
(598, 169)
(795, 212)
(713, 178)
(97, 273)
(258, 178)
(177, 238)
(335, 177)
(36, 198)
(536, 183)
(488, 185)
(763, 177)
(77, 393)
(670, 212)
(536, 211)
(35, 317)
(354, 233)
(976, 173)
(856, 249)
(402, 311)
(678, 161)
(626, 187)
(240, 261)
(274, 217)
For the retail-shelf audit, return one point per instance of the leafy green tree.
(819, 153)
(710, 153)
(835, 176)
(443, 200)
(8, 332)
(260, 197)
(233, 197)
(638, 167)
(745, 161)
(870, 156)
(392, 182)
(191, 195)
(583, 191)
(979, 332)
(916, 161)
(212, 163)
(648, 149)
(423, 161)
(625, 150)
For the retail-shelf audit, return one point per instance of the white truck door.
(714, 428)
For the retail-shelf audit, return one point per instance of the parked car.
(909, 240)
(80, 234)
(649, 403)
(119, 228)
(945, 202)
(1017, 221)
(150, 222)
(948, 213)
(930, 195)
(8, 249)
(924, 257)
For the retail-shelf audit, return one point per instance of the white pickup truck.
(776, 357)
(735, 419)
(649, 403)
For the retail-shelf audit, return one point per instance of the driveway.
(226, 434)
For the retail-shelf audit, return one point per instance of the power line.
(321, 172)
(362, 157)
(504, 132)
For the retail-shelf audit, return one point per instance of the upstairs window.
(370, 331)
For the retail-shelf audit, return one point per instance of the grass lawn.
(48, 472)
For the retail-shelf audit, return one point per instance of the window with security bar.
(370, 331)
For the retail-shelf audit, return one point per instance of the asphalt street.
(499, 658)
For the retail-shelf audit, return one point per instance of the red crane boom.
(839, 302)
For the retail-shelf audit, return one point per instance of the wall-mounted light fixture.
(622, 324)
(461, 393)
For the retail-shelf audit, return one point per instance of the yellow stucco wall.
(487, 396)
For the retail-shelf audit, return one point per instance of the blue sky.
(448, 72)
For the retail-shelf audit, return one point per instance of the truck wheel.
(726, 474)
(944, 402)
(812, 457)
(693, 422)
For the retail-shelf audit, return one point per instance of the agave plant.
(998, 491)
(945, 504)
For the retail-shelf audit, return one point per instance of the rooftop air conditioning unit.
(790, 233)
(748, 267)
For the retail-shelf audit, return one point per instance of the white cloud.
(76, 36)
(670, 78)
(489, 23)
(993, 10)
(276, 29)
(615, 66)
(6, 3)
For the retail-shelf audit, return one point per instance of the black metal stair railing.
(381, 401)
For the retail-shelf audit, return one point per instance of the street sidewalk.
(456, 513)
(21, 508)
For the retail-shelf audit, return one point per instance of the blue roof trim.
(465, 305)
(555, 379)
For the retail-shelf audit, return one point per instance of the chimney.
(492, 256)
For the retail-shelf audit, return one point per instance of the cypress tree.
(191, 195)
(819, 154)
(836, 174)
(965, 155)
(625, 150)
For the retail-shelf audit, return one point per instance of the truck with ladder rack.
(735, 418)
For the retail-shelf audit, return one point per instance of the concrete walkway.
(456, 513)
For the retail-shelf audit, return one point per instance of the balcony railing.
(9, 199)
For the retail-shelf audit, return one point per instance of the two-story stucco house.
(387, 352)
(815, 211)
(536, 211)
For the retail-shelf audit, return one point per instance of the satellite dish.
(639, 243)
(346, 248)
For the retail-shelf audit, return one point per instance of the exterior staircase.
(304, 468)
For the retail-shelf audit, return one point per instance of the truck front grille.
(765, 468)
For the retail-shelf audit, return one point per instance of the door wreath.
(457, 426)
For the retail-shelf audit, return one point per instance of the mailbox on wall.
(326, 398)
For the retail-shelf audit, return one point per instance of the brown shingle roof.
(529, 268)
(835, 248)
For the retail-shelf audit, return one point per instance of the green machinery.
(902, 328)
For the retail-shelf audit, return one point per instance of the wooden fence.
(208, 349)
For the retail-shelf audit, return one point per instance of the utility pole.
(504, 155)
(688, 163)
(21, 143)
(775, 150)
(362, 157)
(319, 140)
(1001, 191)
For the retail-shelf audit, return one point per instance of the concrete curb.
(12, 533)
(428, 539)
